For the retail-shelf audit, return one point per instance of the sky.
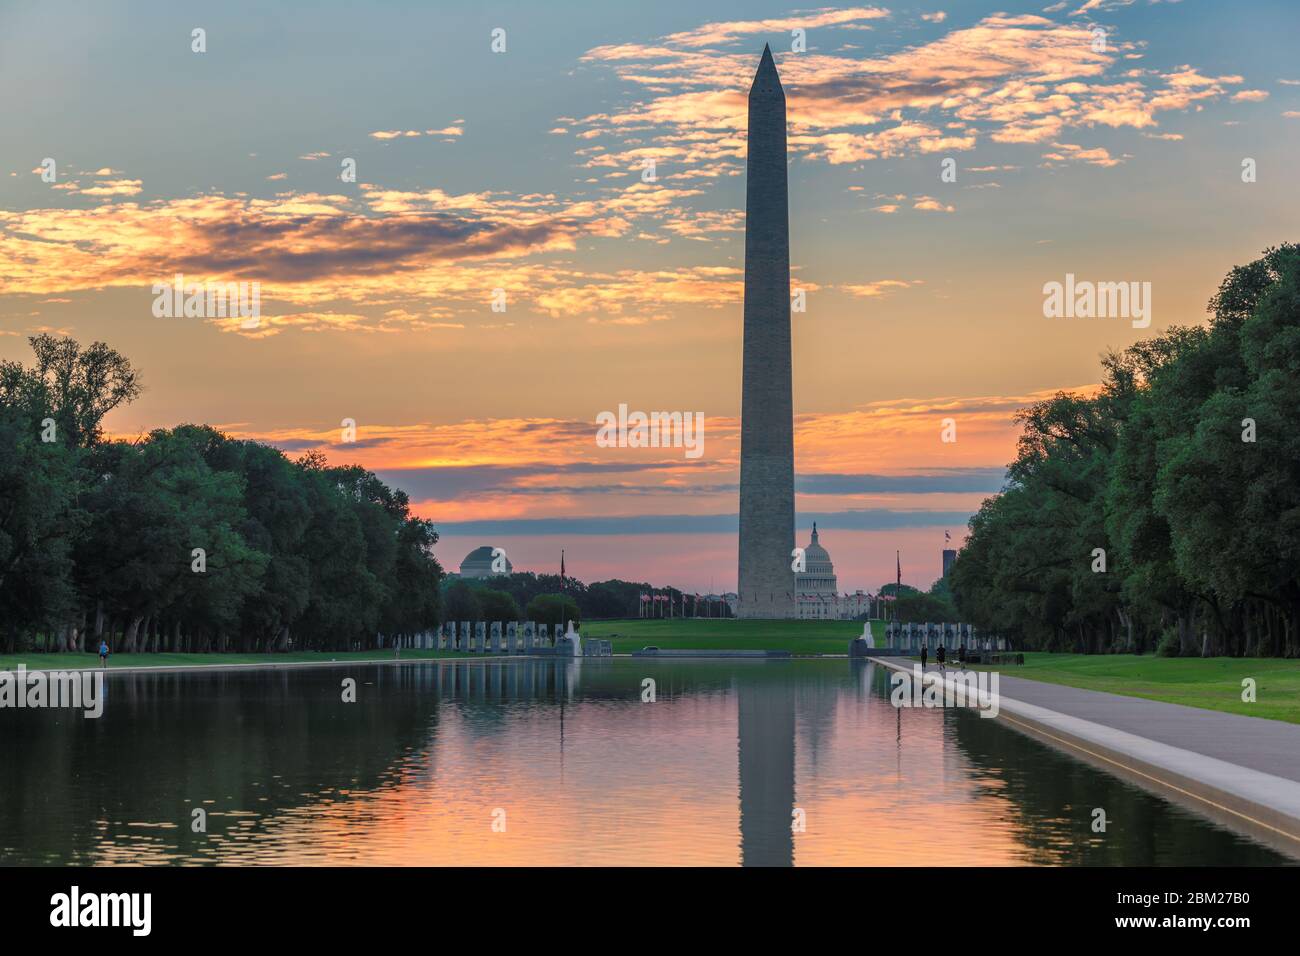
(543, 232)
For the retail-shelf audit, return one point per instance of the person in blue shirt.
(103, 653)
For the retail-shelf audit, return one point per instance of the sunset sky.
(523, 171)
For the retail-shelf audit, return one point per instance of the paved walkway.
(1246, 767)
(1270, 746)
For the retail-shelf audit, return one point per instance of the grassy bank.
(799, 637)
(1213, 683)
(117, 661)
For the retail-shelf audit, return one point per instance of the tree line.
(1163, 512)
(186, 539)
(914, 606)
(548, 598)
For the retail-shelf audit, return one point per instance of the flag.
(946, 537)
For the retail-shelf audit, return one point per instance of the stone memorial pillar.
(543, 635)
(480, 638)
(569, 643)
(496, 647)
(530, 635)
(512, 637)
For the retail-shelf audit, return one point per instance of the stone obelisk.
(766, 580)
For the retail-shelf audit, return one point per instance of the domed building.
(478, 564)
(817, 591)
(815, 586)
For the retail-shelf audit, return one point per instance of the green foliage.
(186, 540)
(919, 608)
(601, 600)
(893, 588)
(497, 606)
(461, 603)
(39, 520)
(555, 610)
(1200, 525)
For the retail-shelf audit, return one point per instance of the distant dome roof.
(478, 563)
(814, 551)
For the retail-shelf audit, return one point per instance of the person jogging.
(939, 655)
(925, 655)
(103, 653)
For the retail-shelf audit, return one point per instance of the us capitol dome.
(817, 594)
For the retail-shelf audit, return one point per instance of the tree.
(555, 610)
(76, 386)
(914, 607)
(39, 521)
(497, 606)
(1181, 475)
(462, 603)
(187, 539)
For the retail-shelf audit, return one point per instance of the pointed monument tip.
(766, 78)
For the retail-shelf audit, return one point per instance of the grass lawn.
(9, 662)
(799, 637)
(1212, 682)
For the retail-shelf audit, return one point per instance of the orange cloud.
(1014, 79)
(549, 467)
(1070, 152)
(381, 249)
(878, 289)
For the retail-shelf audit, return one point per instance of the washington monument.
(766, 580)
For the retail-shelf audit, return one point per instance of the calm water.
(576, 766)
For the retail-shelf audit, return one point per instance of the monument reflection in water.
(573, 763)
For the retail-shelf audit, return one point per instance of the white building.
(817, 591)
